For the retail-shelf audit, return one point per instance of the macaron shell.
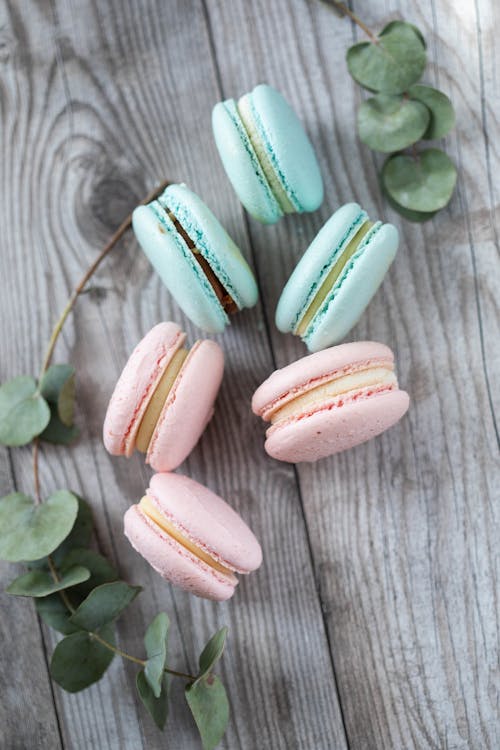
(175, 264)
(136, 384)
(314, 264)
(173, 561)
(330, 431)
(241, 164)
(207, 520)
(214, 243)
(354, 290)
(288, 146)
(188, 408)
(310, 369)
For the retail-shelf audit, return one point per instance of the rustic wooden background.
(374, 620)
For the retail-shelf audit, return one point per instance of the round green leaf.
(415, 216)
(442, 118)
(39, 583)
(58, 433)
(390, 123)
(23, 412)
(53, 612)
(79, 536)
(57, 385)
(155, 642)
(101, 571)
(391, 65)
(424, 183)
(79, 660)
(394, 24)
(29, 531)
(212, 651)
(103, 605)
(208, 702)
(156, 705)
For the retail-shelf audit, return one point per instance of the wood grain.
(401, 528)
(116, 116)
(374, 621)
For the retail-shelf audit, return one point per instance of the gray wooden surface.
(374, 620)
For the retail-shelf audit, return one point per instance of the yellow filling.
(152, 512)
(331, 278)
(311, 399)
(245, 113)
(157, 401)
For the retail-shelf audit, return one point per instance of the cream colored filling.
(157, 401)
(245, 113)
(151, 511)
(333, 275)
(315, 397)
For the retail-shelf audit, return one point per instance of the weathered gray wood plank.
(100, 101)
(27, 713)
(403, 529)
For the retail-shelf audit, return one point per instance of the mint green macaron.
(267, 155)
(197, 260)
(336, 277)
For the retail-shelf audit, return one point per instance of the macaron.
(164, 397)
(194, 256)
(330, 401)
(191, 537)
(336, 277)
(267, 155)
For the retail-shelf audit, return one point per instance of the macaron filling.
(250, 122)
(334, 270)
(157, 401)
(152, 512)
(225, 299)
(333, 391)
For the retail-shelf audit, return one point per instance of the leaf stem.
(126, 223)
(36, 477)
(79, 288)
(348, 12)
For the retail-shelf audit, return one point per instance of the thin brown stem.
(348, 12)
(126, 223)
(79, 288)
(36, 477)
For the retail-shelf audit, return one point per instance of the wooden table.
(374, 620)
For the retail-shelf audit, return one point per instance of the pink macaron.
(330, 401)
(164, 397)
(192, 537)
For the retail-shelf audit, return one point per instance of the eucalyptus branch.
(79, 288)
(348, 12)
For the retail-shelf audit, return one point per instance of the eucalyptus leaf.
(79, 660)
(416, 216)
(103, 605)
(424, 183)
(155, 642)
(391, 65)
(442, 118)
(24, 413)
(58, 433)
(101, 571)
(394, 24)
(57, 385)
(29, 531)
(39, 583)
(208, 702)
(212, 652)
(390, 123)
(156, 705)
(54, 613)
(80, 533)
